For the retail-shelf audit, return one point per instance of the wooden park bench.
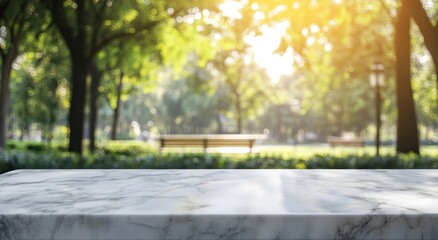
(346, 141)
(210, 140)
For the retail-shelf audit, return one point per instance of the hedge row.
(130, 148)
(19, 159)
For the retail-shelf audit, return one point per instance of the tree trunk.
(295, 132)
(50, 134)
(77, 103)
(117, 108)
(407, 132)
(435, 63)
(53, 86)
(220, 128)
(4, 92)
(75, 39)
(278, 123)
(96, 76)
(238, 113)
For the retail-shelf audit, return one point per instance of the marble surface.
(219, 204)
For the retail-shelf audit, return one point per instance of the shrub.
(60, 146)
(36, 146)
(22, 159)
(12, 145)
(128, 148)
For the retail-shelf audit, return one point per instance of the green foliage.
(35, 94)
(12, 145)
(189, 107)
(144, 46)
(60, 146)
(16, 145)
(36, 147)
(335, 51)
(127, 148)
(18, 159)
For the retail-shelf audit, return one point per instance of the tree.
(341, 24)
(190, 106)
(407, 132)
(425, 94)
(127, 55)
(428, 29)
(247, 83)
(18, 19)
(332, 53)
(407, 128)
(24, 91)
(89, 26)
(96, 76)
(40, 71)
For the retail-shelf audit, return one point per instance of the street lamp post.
(377, 81)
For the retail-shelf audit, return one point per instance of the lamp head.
(377, 75)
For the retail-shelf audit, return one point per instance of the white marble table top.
(328, 202)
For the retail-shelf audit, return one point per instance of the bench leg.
(161, 145)
(251, 144)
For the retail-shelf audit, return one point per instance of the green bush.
(12, 145)
(36, 146)
(60, 146)
(16, 145)
(22, 159)
(127, 148)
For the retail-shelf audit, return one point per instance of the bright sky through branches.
(265, 45)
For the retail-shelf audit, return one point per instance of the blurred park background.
(82, 76)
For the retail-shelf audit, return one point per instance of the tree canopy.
(169, 66)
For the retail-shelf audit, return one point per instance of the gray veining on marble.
(219, 204)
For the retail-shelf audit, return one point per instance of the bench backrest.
(210, 140)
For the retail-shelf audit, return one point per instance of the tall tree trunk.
(407, 132)
(435, 63)
(238, 113)
(50, 129)
(75, 39)
(53, 86)
(295, 132)
(220, 128)
(7, 61)
(96, 77)
(117, 108)
(77, 102)
(278, 123)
